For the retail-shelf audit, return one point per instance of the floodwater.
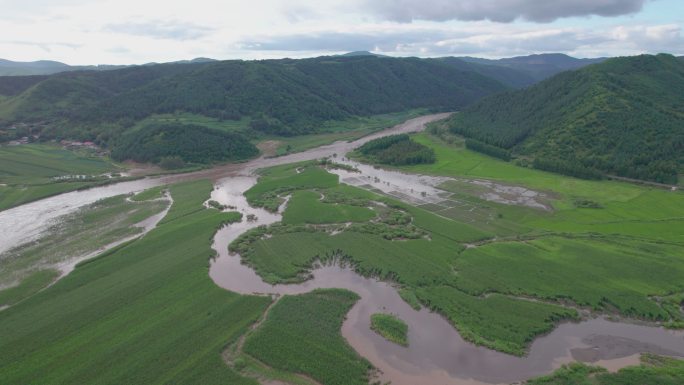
(436, 353)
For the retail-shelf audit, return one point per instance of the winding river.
(436, 353)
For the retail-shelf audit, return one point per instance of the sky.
(82, 32)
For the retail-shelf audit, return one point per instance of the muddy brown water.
(436, 353)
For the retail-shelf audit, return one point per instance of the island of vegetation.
(396, 150)
(390, 327)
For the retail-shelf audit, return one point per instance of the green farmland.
(27, 172)
(68, 333)
(301, 334)
(32, 265)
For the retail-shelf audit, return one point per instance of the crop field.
(303, 203)
(302, 335)
(390, 327)
(27, 171)
(159, 284)
(78, 234)
(653, 370)
(594, 273)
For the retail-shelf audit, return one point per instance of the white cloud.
(140, 31)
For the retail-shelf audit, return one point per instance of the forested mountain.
(286, 97)
(538, 67)
(44, 67)
(511, 77)
(49, 67)
(624, 116)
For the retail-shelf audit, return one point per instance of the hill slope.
(286, 97)
(624, 116)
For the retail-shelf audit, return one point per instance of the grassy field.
(143, 313)
(80, 233)
(27, 172)
(653, 370)
(390, 327)
(302, 335)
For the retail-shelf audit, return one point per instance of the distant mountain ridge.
(540, 66)
(49, 67)
(534, 67)
(283, 97)
(623, 116)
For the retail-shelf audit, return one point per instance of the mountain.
(511, 77)
(45, 67)
(538, 67)
(48, 67)
(624, 116)
(42, 67)
(362, 53)
(285, 97)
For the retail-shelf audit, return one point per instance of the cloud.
(542, 11)
(157, 29)
(483, 39)
(45, 46)
(344, 41)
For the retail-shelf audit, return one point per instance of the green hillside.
(283, 97)
(622, 117)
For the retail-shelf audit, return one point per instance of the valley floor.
(501, 273)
